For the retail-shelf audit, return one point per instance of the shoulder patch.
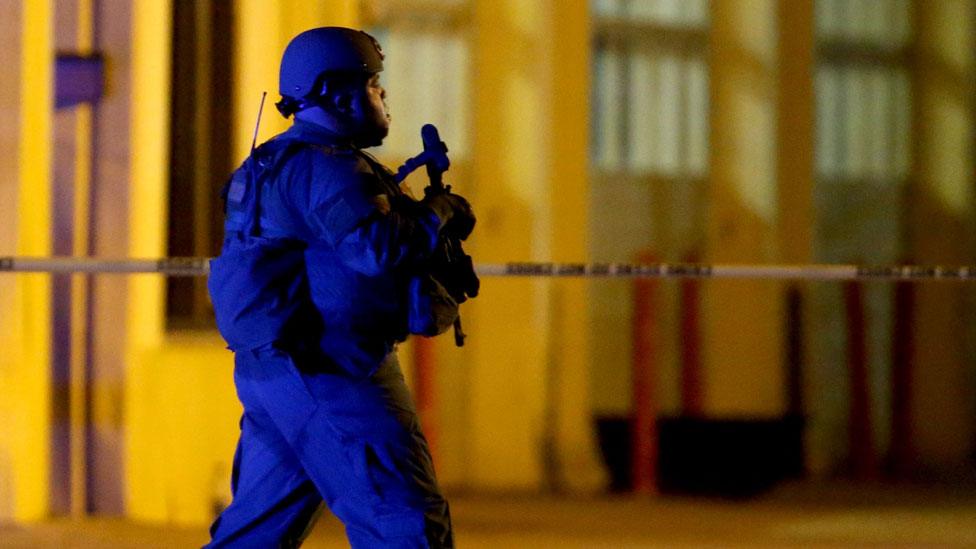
(236, 191)
(382, 203)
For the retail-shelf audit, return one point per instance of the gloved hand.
(457, 218)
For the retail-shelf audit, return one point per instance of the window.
(426, 74)
(649, 127)
(863, 92)
(651, 87)
(863, 164)
(200, 143)
(649, 160)
(864, 110)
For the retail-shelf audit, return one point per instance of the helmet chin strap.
(340, 124)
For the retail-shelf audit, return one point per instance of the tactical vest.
(258, 284)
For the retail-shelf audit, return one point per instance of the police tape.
(200, 266)
(700, 270)
(173, 266)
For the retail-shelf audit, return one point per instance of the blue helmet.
(324, 50)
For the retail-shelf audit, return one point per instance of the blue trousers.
(310, 434)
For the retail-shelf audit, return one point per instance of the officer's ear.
(340, 101)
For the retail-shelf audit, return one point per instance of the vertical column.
(62, 174)
(795, 139)
(509, 323)
(71, 184)
(25, 143)
(109, 236)
(742, 319)
(569, 46)
(940, 228)
(80, 240)
(127, 219)
(146, 212)
(795, 130)
(529, 412)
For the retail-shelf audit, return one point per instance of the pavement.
(808, 516)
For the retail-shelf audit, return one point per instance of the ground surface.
(799, 516)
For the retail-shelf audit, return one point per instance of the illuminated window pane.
(643, 115)
(881, 23)
(826, 14)
(663, 12)
(669, 100)
(455, 107)
(855, 115)
(426, 81)
(666, 12)
(880, 124)
(608, 8)
(854, 23)
(876, 23)
(696, 88)
(863, 99)
(902, 107)
(696, 12)
(609, 109)
(901, 23)
(827, 91)
(863, 149)
(650, 96)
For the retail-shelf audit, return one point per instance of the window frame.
(846, 53)
(679, 41)
(202, 70)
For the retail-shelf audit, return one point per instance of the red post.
(424, 368)
(862, 454)
(903, 350)
(644, 432)
(691, 365)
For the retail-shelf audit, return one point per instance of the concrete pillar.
(130, 146)
(508, 321)
(795, 180)
(795, 130)
(570, 358)
(742, 320)
(940, 230)
(528, 352)
(26, 64)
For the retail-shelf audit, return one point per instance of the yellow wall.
(182, 429)
(505, 387)
(149, 130)
(570, 357)
(25, 305)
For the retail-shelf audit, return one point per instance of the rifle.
(449, 264)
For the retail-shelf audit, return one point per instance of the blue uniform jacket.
(331, 257)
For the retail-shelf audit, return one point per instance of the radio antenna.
(254, 140)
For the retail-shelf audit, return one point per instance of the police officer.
(311, 293)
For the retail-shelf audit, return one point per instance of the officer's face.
(369, 110)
